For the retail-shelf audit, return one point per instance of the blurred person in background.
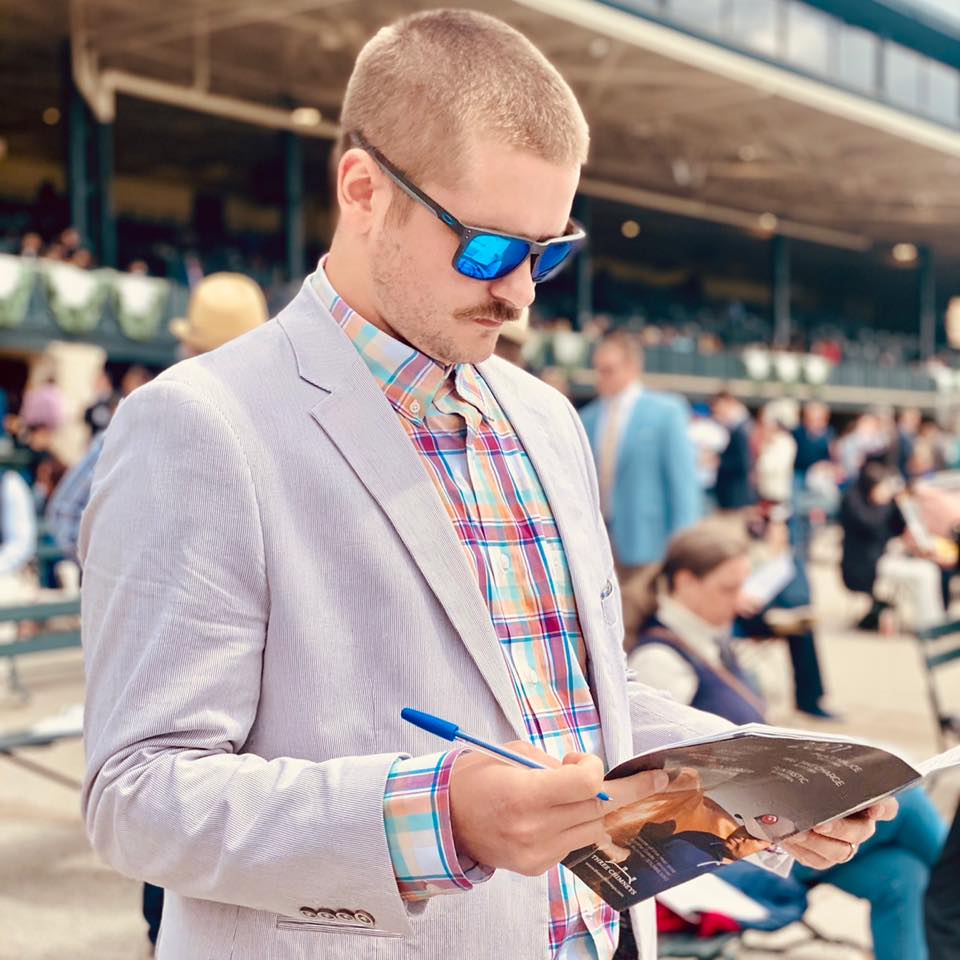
(815, 476)
(709, 439)
(105, 399)
(31, 246)
(782, 609)
(866, 437)
(646, 463)
(905, 436)
(775, 453)
(943, 900)
(733, 490)
(44, 406)
(18, 541)
(814, 438)
(876, 541)
(82, 258)
(942, 443)
(685, 647)
(70, 242)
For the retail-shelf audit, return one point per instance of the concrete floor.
(57, 902)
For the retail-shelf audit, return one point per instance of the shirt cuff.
(416, 814)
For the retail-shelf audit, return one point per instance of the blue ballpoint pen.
(450, 731)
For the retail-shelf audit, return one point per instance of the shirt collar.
(410, 379)
(704, 637)
(627, 395)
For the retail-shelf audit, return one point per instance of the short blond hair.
(423, 86)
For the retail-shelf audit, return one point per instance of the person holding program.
(356, 508)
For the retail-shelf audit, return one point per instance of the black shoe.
(871, 621)
(819, 712)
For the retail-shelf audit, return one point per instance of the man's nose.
(516, 288)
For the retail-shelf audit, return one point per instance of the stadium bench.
(48, 637)
(940, 646)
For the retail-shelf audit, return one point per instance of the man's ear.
(360, 186)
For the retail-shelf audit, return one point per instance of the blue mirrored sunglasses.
(486, 254)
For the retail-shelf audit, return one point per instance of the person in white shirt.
(18, 541)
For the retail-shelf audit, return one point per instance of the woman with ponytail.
(686, 609)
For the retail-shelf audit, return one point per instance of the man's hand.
(837, 841)
(528, 820)
(747, 606)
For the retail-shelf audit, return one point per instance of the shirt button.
(504, 562)
(415, 407)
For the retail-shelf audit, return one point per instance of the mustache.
(495, 310)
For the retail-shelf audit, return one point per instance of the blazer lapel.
(360, 421)
(536, 432)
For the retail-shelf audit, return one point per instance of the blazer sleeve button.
(365, 918)
(346, 915)
(308, 912)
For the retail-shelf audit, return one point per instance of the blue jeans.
(892, 871)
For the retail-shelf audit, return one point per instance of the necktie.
(607, 460)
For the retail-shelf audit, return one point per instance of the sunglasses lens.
(552, 259)
(489, 257)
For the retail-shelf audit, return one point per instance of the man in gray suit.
(355, 509)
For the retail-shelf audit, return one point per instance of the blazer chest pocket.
(610, 601)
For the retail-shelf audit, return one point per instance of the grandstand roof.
(679, 124)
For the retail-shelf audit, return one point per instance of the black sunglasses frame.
(466, 233)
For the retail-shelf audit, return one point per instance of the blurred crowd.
(711, 511)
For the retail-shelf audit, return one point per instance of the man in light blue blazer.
(646, 461)
(279, 555)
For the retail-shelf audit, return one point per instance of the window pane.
(704, 16)
(755, 24)
(858, 59)
(902, 80)
(943, 92)
(809, 37)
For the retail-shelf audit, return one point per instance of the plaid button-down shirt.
(497, 505)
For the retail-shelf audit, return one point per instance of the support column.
(583, 210)
(780, 284)
(927, 302)
(293, 212)
(106, 215)
(76, 145)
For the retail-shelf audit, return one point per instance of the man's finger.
(585, 835)
(635, 788)
(853, 830)
(573, 781)
(886, 809)
(814, 850)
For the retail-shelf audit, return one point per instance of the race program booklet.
(732, 795)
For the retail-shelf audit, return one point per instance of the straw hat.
(517, 331)
(222, 306)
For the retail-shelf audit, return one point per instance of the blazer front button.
(308, 912)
